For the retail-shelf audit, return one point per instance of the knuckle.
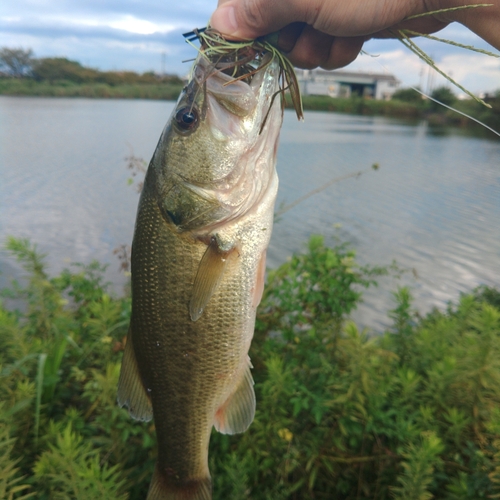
(314, 61)
(309, 55)
(339, 61)
(308, 62)
(254, 12)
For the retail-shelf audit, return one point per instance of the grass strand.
(39, 389)
(451, 9)
(450, 42)
(407, 42)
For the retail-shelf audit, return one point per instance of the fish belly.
(191, 371)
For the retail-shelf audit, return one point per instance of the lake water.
(433, 205)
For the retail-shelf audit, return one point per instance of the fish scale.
(197, 274)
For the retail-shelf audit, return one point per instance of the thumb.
(250, 19)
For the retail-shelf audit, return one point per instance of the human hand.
(331, 33)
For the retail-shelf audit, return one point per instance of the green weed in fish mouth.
(242, 59)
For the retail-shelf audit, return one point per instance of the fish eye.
(187, 118)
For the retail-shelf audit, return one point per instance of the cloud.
(472, 70)
(115, 34)
(143, 17)
(140, 26)
(405, 66)
(476, 72)
(128, 34)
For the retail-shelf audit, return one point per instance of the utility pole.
(163, 63)
(430, 79)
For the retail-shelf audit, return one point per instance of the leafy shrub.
(443, 94)
(11, 485)
(407, 95)
(410, 414)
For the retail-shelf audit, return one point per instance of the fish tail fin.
(164, 488)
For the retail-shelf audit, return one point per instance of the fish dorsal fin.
(237, 413)
(208, 278)
(131, 390)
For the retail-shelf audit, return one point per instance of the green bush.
(443, 94)
(413, 413)
(359, 106)
(407, 95)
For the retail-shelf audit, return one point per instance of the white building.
(346, 83)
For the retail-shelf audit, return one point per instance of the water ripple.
(434, 204)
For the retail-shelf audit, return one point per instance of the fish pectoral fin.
(208, 278)
(237, 413)
(131, 390)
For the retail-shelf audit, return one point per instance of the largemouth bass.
(198, 261)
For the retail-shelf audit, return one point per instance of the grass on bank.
(29, 87)
(406, 104)
(359, 106)
(412, 414)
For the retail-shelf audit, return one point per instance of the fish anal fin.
(131, 390)
(166, 487)
(208, 278)
(237, 413)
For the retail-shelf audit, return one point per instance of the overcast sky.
(133, 34)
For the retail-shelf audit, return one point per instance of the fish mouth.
(243, 61)
(233, 81)
(219, 85)
(232, 97)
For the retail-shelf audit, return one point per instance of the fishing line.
(317, 190)
(457, 111)
(439, 102)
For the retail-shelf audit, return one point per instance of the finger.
(249, 19)
(312, 49)
(289, 35)
(424, 25)
(254, 18)
(343, 52)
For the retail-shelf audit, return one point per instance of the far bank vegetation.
(23, 74)
(407, 103)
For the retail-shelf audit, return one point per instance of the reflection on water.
(434, 205)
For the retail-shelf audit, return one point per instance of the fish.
(198, 263)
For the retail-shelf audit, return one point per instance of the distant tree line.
(442, 94)
(21, 63)
(16, 62)
(23, 74)
(436, 114)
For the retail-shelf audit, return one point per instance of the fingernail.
(224, 20)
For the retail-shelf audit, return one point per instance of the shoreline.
(439, 117)
(31, 88)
